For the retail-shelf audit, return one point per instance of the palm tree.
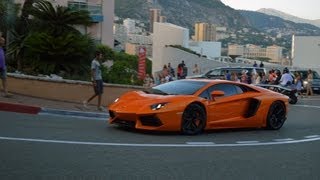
(58, 20)
(52, 54)
(54, 43)
(51, 22)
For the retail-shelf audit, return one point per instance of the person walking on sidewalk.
(3, 69)
(96, 81)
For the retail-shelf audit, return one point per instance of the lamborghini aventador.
(191, 106)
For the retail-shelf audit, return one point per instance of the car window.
(228, 89)
(315, 75)
(214, 73)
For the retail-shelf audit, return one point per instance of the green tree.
(68, 52)
(108, 53)
(18, 31)
(54, 44)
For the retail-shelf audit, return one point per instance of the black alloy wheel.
(276, 115)
(193, 120)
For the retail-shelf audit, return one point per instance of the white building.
(275, 54)
(209, 49)
(120, 33)
(165, 34)
(130, 25)
(235, 49)
(306, 51)
(252, 51)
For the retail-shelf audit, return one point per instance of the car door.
(229, 110)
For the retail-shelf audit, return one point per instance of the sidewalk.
(51, 106)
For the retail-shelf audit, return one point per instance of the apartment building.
(275, 54)
(252, 51)
(205, 32)
(101, 13)
(154, 17)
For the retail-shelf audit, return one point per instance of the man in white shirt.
(286, 78)
(97, 81)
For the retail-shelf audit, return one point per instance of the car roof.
(238, 68)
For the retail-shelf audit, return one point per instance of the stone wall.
(63, 90)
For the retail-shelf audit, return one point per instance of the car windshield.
(179, 87)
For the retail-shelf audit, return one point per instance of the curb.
(73, 113)
(19, 108)
(28, 109)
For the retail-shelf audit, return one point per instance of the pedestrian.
(180, 71)
(255, 64)
(3, 68)
(196, 70)
(227, 76)
(97, 81)
(261, 64)
(171, 70)
(244, 77)
(298, 83)
(309, 83)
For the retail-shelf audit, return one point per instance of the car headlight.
(157, 106)
(305, 82)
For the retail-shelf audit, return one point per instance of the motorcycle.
(289, 91)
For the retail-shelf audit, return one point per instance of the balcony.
(95, 10)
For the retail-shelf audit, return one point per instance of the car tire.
(276, 115)
(193, 120)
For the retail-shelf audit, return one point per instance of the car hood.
(139, 101)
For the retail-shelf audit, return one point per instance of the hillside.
(182, 12)
(275, 25)
(289, 17)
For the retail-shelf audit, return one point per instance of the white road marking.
(200, 143)
(281, 140)
(156, 145)
(247, 142)
(308, 106)
(309, 99)
(312, 136)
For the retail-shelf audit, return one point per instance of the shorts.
(98, 89)
(3, 74)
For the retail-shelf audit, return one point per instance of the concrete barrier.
(63, 90)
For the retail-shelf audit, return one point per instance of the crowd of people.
(168, 73)
(274, 77)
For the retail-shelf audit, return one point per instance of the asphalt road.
(50, 147)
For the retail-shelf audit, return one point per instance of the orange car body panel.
(222, 112)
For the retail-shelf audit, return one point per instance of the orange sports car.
(194, 105)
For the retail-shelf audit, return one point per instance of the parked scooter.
(289, 91)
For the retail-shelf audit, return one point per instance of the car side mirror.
(215, 94)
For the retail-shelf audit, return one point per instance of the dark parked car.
(304, 74)
(220, 72)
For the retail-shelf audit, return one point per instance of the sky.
(307, 9)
